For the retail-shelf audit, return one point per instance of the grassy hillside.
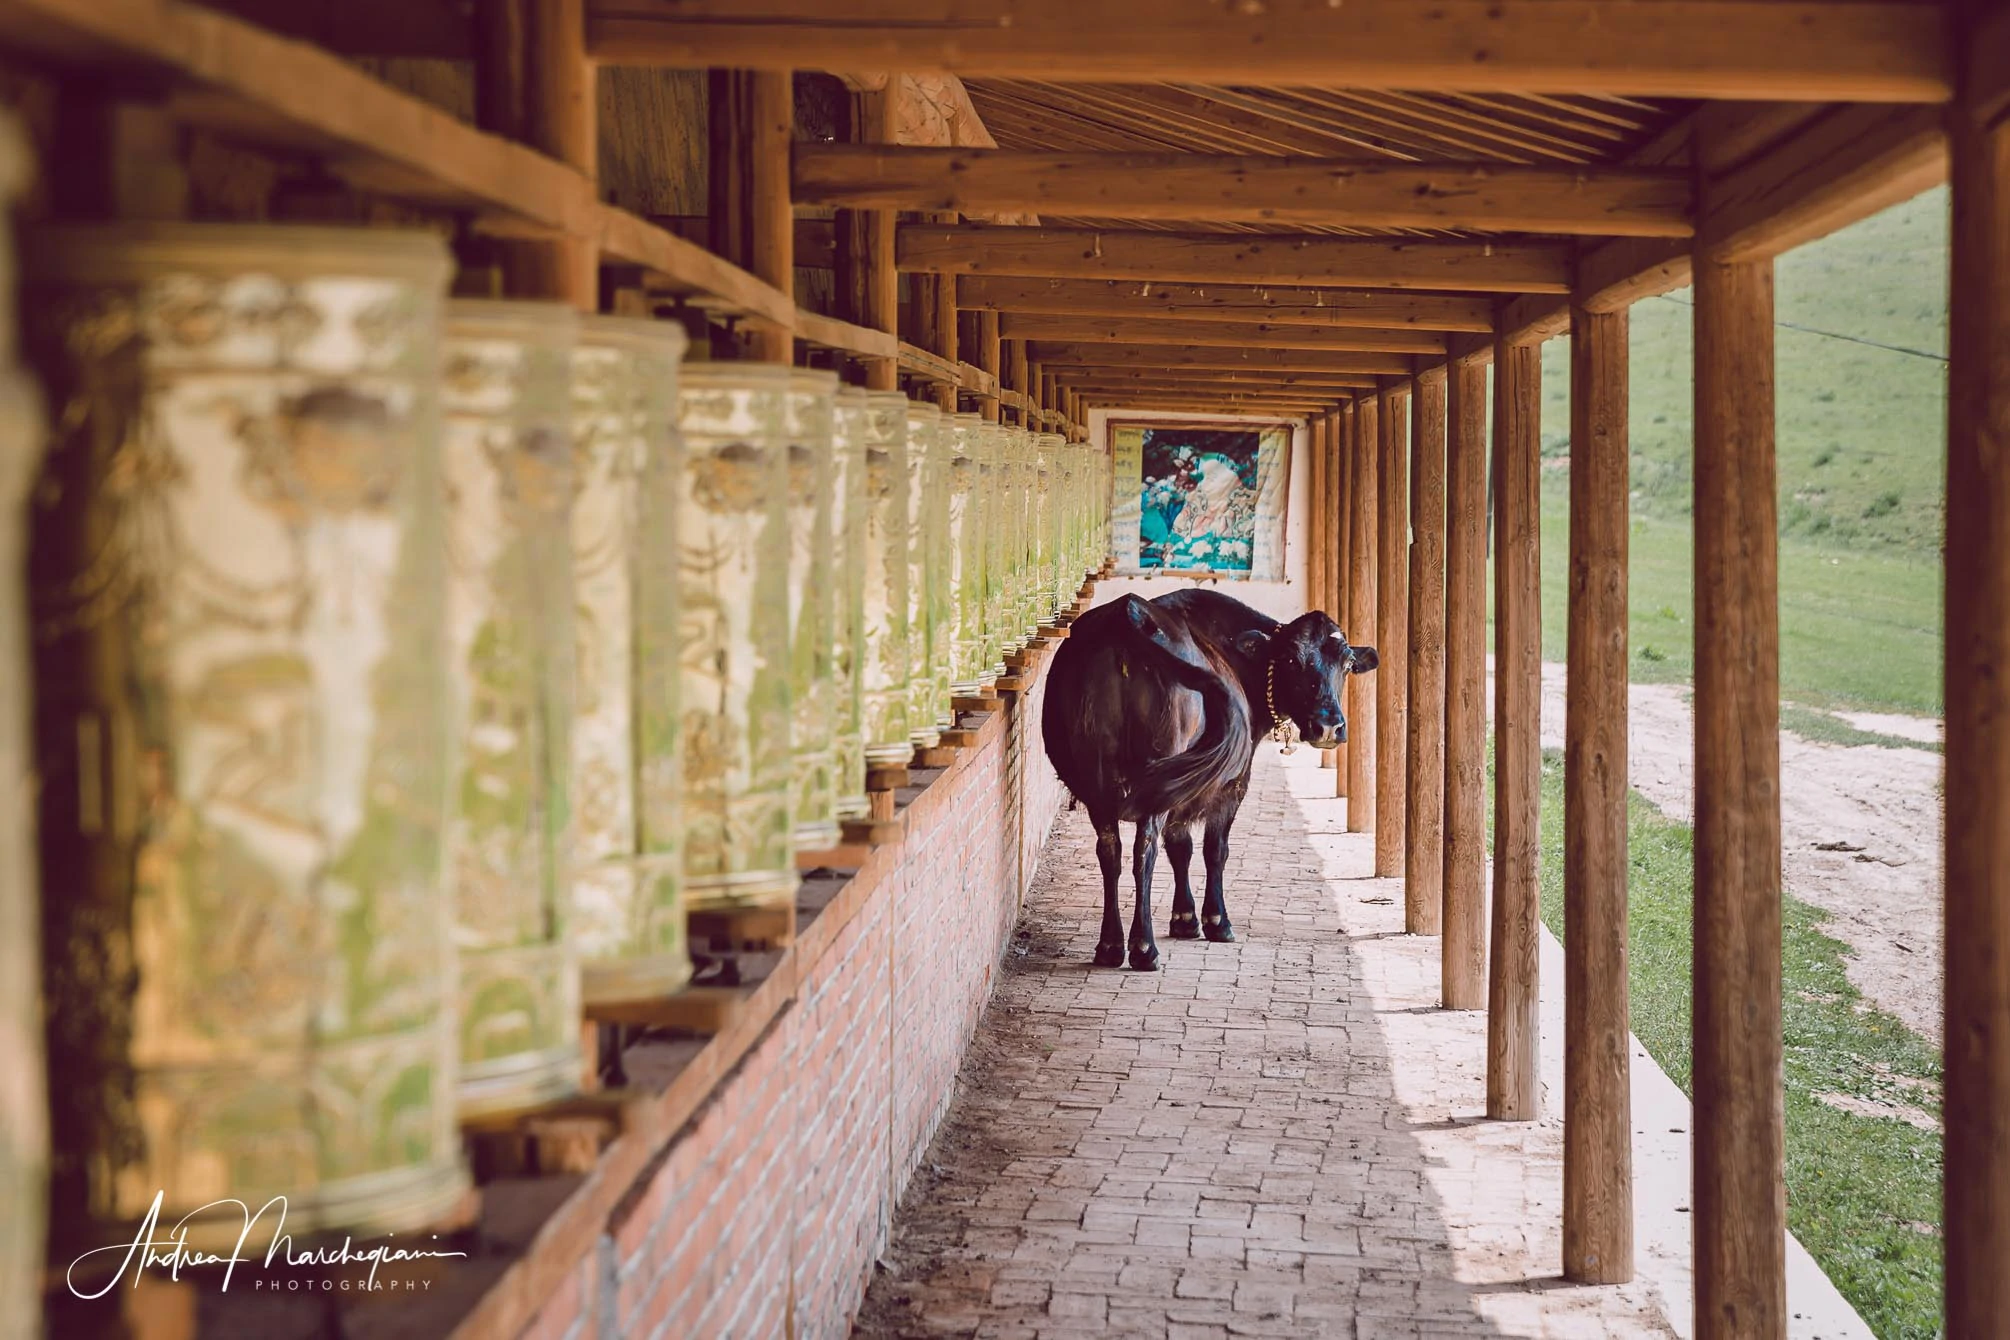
(1861, 441)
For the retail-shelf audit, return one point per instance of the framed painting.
(1199, 498)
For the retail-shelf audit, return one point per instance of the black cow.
(1153, 713)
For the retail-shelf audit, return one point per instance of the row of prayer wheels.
(404, 671)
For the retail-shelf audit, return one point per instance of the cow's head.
(1305, 665)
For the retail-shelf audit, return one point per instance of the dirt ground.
(1860, 830)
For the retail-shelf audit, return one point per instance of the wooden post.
(1740, 1196)
(1597, 1093)
(988, 353)
(1316, 515)
(1977, 1106)
(771, 219)
(1343, 538)
(1424, 770)
(1021, 379)
(879, 276)
(1392, 602)
(1514, 1082)
(1464, 968)
(1361, 578)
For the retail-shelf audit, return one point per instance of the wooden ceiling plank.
(1089, 329)
(1499, 124)
(1056, 354)
(1462, 141)
(1205, 122)
(1615, 202)
(1794, 50)
(1232, 302)
(1202, 258)
(1293, 114)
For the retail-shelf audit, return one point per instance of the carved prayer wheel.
(883, 663)
(733, 544)
(990, 499)
(1023, 508)
(1047, 448)
(964, 492)
(507, 467)
(849, 429)
(812, 606)
(242, 727)
(924, 605)
(24, 1128)
(627, 769)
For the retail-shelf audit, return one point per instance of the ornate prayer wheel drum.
(924, 435)
(733, 546)
(242, 726)
(812, 606)
(966, 553)
(24, 1129)
(627, 906)
(883, 661)
(991, 495)
(850, 427)
(508, 472)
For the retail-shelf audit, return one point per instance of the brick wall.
(764, 1217)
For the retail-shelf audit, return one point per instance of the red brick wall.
(764, 1217)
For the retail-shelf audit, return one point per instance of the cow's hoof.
(1145, 958)
(1220, 930)
(1185, 926)
(1110, 955)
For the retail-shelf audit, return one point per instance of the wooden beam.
(1325, 383)
(1985, 95)
(1229, 357)
(1464, 951)
(1238, 258)
(1424, 765)
(1514, 1077)
(1392, 601)
(1976, 837)
(1084, 329)
(1846, 166)
(1740, 1188)
(1143, 299)
(1597, 1092)
(1362, 575)
(1202, 405)
(1794, 49)
(1613, 276)
(1532, 319)
(1600, 201)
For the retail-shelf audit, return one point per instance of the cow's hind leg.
(1179, 851)
(1214, 922)
(1110, 856)
(1144, 854)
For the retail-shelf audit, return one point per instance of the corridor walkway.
(1279, 1137)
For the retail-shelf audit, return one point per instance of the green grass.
(1863, 1192)
(1827, 728)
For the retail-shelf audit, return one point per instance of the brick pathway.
(1279, 1137)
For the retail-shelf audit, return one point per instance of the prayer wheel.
(508, 473)
(812, 606)
(924, 463)
(1024, 507)
(850, 427)
(627, 769)
(24, 1126)
(964, 491)
(242, 727)
(1047, 502)
(884, 654)
(990, 495)
(733, 546)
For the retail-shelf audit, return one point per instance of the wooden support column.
(1464, 967)
(1020, 379)
(1361, 581)
(771, 219)
(1740, 1192)
(988, 353)
(1392, 602)
(934, 309)
(1343, 538)
(1597, 1092)
(1316, 517)
(1514, 1082)
(877, 287)
(1424, 769)
(534, 83)
(1977, 1039)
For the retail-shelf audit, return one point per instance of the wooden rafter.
(1205, 258)
(1596, 201)
(1784, 49)
(1089, 329)
(1225, 302)
(1059, 354)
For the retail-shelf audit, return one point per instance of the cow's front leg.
(1214, 920)
(1179, 850)
(1110, 856)
(1144, 854)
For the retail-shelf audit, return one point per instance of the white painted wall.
(1280, 600)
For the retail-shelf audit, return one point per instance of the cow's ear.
(1362, 659)
(1252, 643)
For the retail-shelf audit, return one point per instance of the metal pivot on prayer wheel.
(24, 1129)
(965, 511)
(733, 546)
(242, 727)
(507, 472)
(849, 429)
(812, 606)
(988, 498)
(924, 432)
(627, 769)
(883, 661)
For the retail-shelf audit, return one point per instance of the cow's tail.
(1217, 756)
